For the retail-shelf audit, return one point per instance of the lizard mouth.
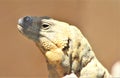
(20, 28)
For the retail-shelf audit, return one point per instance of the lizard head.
(49, 32)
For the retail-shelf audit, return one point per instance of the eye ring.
(45, 26)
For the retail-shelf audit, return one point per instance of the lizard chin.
(31, 34)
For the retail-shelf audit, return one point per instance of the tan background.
(98, 19)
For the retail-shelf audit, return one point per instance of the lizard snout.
(25, 22)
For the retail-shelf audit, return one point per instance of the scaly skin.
(65, 48)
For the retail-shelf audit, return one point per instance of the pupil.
(45, 25)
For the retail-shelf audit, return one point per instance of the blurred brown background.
(99, 20)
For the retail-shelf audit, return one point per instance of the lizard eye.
(45, 26)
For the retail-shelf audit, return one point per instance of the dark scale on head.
(27, 21)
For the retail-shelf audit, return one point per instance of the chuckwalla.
(65, 48)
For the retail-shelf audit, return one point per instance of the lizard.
(64, 47)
